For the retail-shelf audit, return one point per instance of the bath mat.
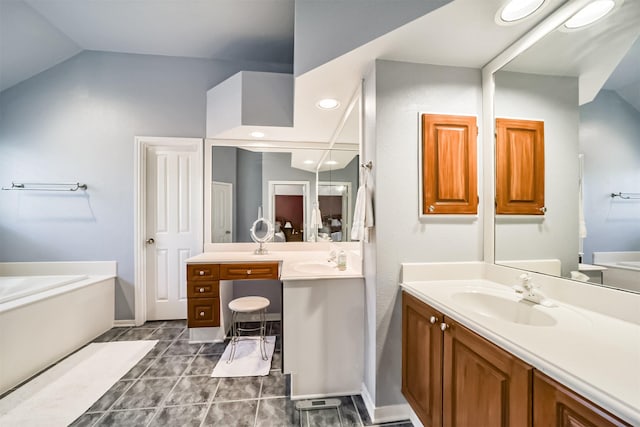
(247, 361)
(64, 392)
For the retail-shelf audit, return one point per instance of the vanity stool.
(248, 305)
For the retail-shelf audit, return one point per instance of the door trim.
(139, 212)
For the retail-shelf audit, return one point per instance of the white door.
(221, 212)
(173, 225)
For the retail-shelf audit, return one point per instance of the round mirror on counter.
(261, 232)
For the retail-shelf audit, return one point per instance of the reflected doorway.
(334, 200)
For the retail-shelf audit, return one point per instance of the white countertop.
(596, 355)
(295, 265)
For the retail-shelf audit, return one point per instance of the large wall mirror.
(305, 189)
(585, 86)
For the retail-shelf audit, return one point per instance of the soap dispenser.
(342, 260)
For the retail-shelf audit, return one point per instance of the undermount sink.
(497, 307)
(316, 267)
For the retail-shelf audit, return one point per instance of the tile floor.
(171, 386)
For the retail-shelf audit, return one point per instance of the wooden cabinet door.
(422, 359)
(449, 165)
(556, 406)
(519, 167)
(483, 384)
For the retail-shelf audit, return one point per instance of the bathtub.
(622, 269)
(48, 315)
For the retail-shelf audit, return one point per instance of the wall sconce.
(335, 222)
(288, 224)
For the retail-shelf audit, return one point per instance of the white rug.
(61, 394)
(247, 361)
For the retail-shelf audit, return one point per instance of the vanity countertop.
(596, 355)
(295, 265)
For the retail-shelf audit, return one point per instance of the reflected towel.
(582, 224)
(362, 215)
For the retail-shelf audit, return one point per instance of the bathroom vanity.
(473, 353)
(322, 312)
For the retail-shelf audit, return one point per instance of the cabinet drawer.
(262, 270)
(202, 289)
(202, 272)
(203, 312)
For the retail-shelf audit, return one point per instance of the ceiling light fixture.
(515, 10)
(308, 162)
(257, 134)
(590, 14)
(331, 162)
(328, 104)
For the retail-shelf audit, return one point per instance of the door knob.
(150, 241)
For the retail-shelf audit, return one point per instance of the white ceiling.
(37, 34)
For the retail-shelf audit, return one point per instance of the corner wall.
(77, 121)
(402, 91)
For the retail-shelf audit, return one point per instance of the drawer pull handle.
(201, 273)
(248, 272)
(202, 314)
(201, 290)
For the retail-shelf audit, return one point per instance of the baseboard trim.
(124, 323)
(384, 414)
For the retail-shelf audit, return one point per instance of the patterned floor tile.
(166, 334)
(146, 393)
(168, 366)
(277, 412)
(238, 388)
(181, 347)
(202, 364)
(273, 385)
(191, 390)
(183, 416)
(134, 417)
(135, 334)
(109, 398)
(237, 414)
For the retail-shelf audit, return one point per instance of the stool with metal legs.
(248, 305)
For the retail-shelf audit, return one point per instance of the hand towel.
(363, 214)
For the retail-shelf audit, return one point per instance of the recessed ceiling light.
(257, 134)
(330, 162)
(328, 104)
(515, 10)
(590, 14)
(518, 9)
(308, 162)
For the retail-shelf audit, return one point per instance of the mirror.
(585, 86)
(282, 184)
(261, 232)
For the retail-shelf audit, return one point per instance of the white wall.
(402, 91)
(610, 141)
(77, 121)
(553, 100)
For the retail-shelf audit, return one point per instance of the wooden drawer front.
(203, 289)
(203, 312)
(263, 270)
(202, 272)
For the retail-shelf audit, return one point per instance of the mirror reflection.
(306, 193)
(585, 86)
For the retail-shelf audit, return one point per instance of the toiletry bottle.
(342, 260)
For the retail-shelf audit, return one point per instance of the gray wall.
(223, 169)
(553, 100)
(77, 121)
(249, 192)
(402, 91)
(610, 142)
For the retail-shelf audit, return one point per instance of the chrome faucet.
(530, 291)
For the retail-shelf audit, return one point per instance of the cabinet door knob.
(432, 208)
(543, 209)
(248, 271)
(201, 290)
(201, 273)
(433, 320)
(444, 327)
(202, 313)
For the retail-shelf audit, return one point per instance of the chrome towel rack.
(626, 196)
(46, 186)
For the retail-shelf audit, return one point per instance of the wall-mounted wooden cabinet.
(520, 167)
(449, 165)
(451, 376)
